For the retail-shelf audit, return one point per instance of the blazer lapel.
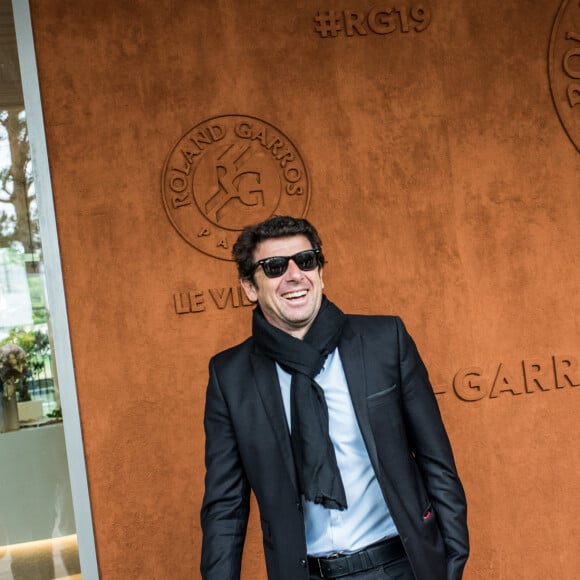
(351, 355)
(269, 389)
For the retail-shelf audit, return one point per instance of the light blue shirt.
(367, 519)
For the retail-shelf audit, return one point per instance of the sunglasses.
(275, 266)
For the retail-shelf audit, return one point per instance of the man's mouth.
(294, 295)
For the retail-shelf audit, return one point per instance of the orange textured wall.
(444, 179)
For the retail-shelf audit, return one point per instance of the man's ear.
(250, 289)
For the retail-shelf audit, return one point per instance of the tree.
(16, 185)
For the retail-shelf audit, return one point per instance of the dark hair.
(274, 227)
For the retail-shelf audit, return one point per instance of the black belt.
(339, 565)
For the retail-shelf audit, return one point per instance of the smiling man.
(331, 421)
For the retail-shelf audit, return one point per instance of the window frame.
(55, 292)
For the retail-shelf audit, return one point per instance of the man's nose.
(293, 272)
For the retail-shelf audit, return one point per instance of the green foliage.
(36, 290)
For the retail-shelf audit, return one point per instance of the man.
(331, 421)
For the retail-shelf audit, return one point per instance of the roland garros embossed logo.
(564, 67)
(228, 172)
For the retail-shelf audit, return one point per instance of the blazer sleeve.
(433, 454)
(225, 507)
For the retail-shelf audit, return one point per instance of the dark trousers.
(397, 570)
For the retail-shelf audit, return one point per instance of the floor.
(55, 559)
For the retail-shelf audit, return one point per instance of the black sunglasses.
(275, 266)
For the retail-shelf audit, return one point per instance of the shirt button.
(299, 506)
(303, 563)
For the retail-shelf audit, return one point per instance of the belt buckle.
(330, 557)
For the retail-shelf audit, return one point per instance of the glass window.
(37, 525)
(26, 363)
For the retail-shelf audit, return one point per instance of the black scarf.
(318, 474)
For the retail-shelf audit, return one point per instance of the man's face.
(291, 301)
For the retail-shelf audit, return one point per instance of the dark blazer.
(248, 448)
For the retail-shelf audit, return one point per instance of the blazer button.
(299, 506)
